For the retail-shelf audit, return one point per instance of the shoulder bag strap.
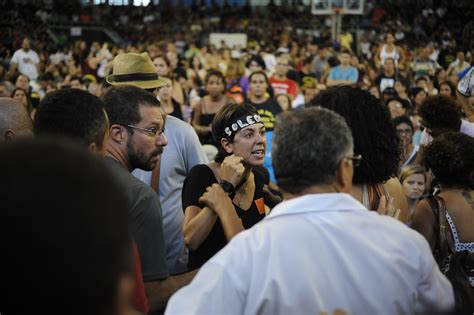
(155, 177)
(448, 241)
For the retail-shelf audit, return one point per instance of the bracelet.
(228, 188)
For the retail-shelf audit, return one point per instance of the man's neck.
(280, 77)
(117, 154)
(314, 190)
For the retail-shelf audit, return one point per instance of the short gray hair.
(308, 146)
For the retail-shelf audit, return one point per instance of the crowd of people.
(248, 169)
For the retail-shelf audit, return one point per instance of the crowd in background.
(412, 60)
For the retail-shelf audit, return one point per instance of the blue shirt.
(347, 73)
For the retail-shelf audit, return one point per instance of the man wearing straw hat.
(182, 152)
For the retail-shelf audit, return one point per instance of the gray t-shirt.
(146, 220)
(180, 155)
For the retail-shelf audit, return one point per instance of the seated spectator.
(284, 100)
(397, 107)
(447, 88)
(280, 82)
(422, 64)
(168, 104)
(164, 67)
(388, 76)
(405, 132)
(417, 96)
(458, 65)
(401, 87)
(210, 104)
(344, 73)
(22, 96)
(268, 109)
(367, 263)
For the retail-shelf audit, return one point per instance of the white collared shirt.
(319, 253)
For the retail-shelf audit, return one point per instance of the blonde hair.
(410, 170)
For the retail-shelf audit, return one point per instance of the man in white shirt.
(26, 60)
(320, 251)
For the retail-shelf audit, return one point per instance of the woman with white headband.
(224, 197)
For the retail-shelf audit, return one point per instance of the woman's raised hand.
(388, 208)
(232, 169)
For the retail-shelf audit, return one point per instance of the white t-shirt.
(26, 62)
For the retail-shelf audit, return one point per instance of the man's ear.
(117, 133)
(226, 145)
(345, 172)
(9, 135)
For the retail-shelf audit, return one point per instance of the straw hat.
(135, 69)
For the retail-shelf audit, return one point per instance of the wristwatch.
(228, 188)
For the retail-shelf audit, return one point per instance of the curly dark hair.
(451, 158)
(440, 112)
(374, 135)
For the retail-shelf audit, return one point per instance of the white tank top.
(384, 54)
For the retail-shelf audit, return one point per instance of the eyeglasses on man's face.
(356, 159)
(152, 132)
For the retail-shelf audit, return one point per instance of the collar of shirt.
(317, 203)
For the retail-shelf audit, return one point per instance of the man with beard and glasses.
(182, 153)
(137, 140)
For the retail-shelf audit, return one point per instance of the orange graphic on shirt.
(260, 203)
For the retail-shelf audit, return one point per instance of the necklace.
(242, 195)
(241, 190)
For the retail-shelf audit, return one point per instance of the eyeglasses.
(356, 159)
(152, 132)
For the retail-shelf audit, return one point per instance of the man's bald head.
(14, 119)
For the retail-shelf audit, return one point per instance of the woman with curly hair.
(375, 141)
(451, 159)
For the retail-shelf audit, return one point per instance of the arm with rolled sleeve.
(216, 289)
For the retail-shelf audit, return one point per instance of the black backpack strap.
(434, 205)
(440, 214)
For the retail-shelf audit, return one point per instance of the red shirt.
(287, 86)
(139, 300)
